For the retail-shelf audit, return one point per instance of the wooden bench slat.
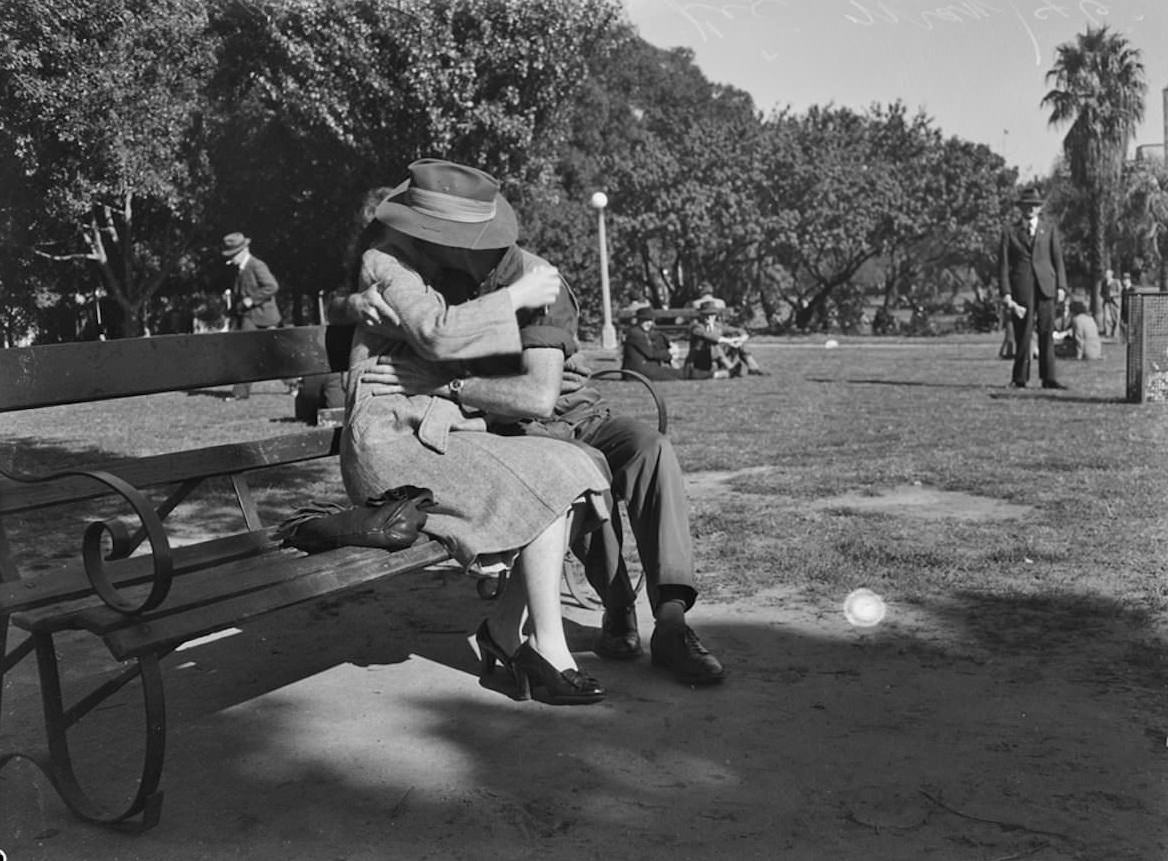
(347, 568)
(221, 583)
(97, 370)
(71, 584)
(174, 467)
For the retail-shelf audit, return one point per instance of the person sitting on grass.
(1082, 339)
(715, 351)
(647, 351)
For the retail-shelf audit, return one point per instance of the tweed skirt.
(493, 494)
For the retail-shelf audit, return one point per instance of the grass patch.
(861, 419)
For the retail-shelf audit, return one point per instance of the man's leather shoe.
(1052, 384)
(618, 639)
(1017, 385)
(678, 649)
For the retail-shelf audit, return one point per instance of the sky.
(977, 68)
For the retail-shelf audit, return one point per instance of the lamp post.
(607, 332)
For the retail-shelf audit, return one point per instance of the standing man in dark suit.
(1030, 273)
(252, 299)
(647, 351)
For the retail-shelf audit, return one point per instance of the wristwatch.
(455, 387)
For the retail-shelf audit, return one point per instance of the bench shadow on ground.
(358, 725)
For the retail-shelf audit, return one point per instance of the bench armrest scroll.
(625, 373)
(122, 542)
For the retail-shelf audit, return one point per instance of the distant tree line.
(135, 133)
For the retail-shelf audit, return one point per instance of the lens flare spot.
(863, 608)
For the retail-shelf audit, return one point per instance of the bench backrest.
(57, 374)
(663, 316)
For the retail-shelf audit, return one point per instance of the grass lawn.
(777, 459)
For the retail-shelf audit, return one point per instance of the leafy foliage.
(100, 126)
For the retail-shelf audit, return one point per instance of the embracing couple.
(465, 379)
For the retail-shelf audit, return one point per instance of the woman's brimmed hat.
(450, 204)
(710, 307)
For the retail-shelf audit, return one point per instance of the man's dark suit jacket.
(256, 282)
(1031, 272)
(645, 350)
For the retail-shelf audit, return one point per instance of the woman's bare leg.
(540, 567)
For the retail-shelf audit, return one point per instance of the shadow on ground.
(976, 728)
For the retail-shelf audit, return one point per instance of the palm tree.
(1099, 89)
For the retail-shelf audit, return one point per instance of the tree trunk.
(1096, 252)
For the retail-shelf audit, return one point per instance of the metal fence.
(1146, 318)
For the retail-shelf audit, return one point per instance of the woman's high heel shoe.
(534, 676)
(490, 652)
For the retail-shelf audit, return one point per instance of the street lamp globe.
(599, 200)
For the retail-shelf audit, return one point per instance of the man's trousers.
(647, 476)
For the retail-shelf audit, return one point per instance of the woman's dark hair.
(367, 230)
(1078, 307)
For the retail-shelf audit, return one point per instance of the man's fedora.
(1030, 197)
(233, 243)
(645, 312)
(450, 204)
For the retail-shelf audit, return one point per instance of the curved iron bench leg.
(57, 763)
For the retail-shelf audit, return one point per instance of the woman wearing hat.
(647, 351)
(500, 500)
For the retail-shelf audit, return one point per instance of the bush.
(982, 314)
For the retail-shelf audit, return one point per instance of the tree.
(101, 120)
(675, 154)
(325, 99)
(1143, 224)
(1099, 91)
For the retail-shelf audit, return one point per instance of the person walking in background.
(251, 298)
(1030, 273)
(647, 351)
(1110, 291)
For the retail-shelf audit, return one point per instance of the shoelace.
(692, 642)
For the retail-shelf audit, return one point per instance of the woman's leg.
(540, 568)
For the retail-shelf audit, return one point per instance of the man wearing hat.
(715, 351)
(646, 350)
(251, 298)
(1030, 274)
(475, 255)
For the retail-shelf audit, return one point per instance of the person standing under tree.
(251, 298)
(1109, 292)
(1030, 273)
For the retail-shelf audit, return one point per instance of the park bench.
(671, 322)
(144, 606)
